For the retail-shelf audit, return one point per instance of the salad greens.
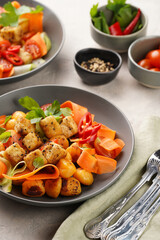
(122, 13)
(36, 113)
(11, 16)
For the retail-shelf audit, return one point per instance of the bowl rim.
(25, 75)
(123, 36)
(133, 45)
(101, 50)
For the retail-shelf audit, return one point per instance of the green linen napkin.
(147, 140)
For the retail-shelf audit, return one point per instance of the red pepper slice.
(14, 48)
(89, 139)
(115, 29)
(84, 122)
(91, 130)
(132, 24)
(12, 58)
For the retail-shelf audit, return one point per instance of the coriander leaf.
(35, 120)
(124, 16)
(39, 130)
(10, 17)
(53, 109)
(115, 5)
(35, 113)
(2, 130)
(7, 118)
(28, 103)
(94, 11)
(38, 9)
(38, 162)
(5, 136)
(66, 111)
(58, 118)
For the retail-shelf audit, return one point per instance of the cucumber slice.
(38, 62)
(24, 68)
(46, 40)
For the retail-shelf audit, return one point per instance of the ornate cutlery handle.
(93, 228)
(129, 216)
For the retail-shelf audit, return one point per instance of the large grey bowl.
(138, 51)
(117, 43)
(53, 27)
(105, 112)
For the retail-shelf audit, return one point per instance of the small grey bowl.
(97, 78)
(136, 52)
(117, 43)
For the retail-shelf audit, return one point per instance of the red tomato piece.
(15, 137)
(7, 66)
(154, 57)
(33, 48)
(45, 106)
(145, 63)
(28, 35)
(155, 69)
(4, 45)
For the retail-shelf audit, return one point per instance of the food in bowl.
(22, 40)
(54, 148)
(125, 20)
(151, 60)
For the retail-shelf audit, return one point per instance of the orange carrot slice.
(120, 142)
(37, 174)
(87, 162)
(2, 120)
(105, 164)
(35, 21)
(3, 169)
(77, 110)
(111, 147)
(105, 131)
(16, 4)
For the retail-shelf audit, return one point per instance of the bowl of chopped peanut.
(97, 66)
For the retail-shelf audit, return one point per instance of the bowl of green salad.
(117, 24)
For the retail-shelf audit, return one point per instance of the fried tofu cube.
(12, 34)
(53, 152)
(30, 157)
(50, 126)
(24, 126)
(32, 141)
(14, 153)
(24, 23)
(25, 56)
(69, 126)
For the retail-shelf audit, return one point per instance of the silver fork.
(94, 227)
(130, 217)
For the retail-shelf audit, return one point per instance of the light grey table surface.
(19, 221)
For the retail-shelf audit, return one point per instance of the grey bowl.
(117, 43)
(138, 51)
(53, 27)
(97, 78)
(105, 112)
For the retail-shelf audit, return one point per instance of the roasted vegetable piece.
(53, 187)
(24, 126)
(83, 176)
(70, 187)
(66, 168)
(14, 153)
(74, 151)
(33, 188)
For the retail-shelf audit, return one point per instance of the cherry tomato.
(155, 69)
(33, 48)
(12, 58)
(28, 35)
(15, 137)
(45, 106)
(154, 57)
(145, 63)
(7, 66)
(14, 48)
(4, 45)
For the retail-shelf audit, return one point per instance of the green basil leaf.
(5, 136)
(10, 17)
(38, 162)
(7, 118)
(35, 120)
(36, 114)
(28, 103)
(53, 109)
(94, 11)
(2, 130)
(66, 111)
(37, 9)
